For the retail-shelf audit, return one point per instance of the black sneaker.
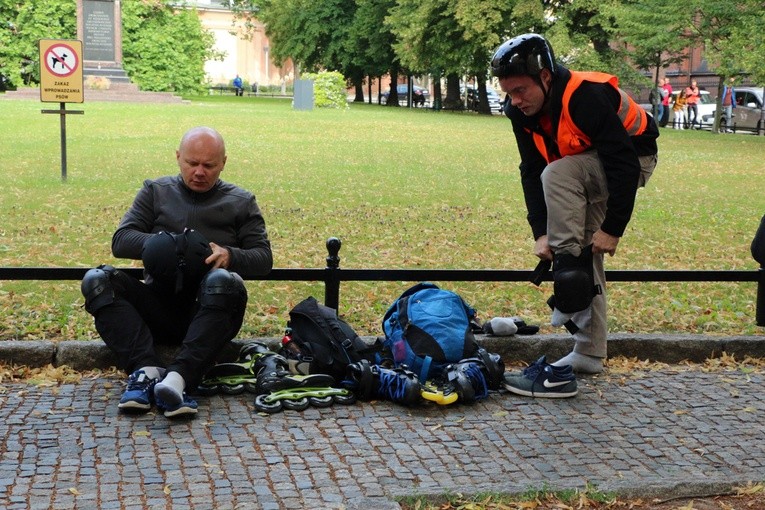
(139, 395)
(543, 380)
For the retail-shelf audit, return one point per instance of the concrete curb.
(667, 348)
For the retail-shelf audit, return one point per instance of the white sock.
(501, 326)
(171, 388)
(559, 318)
(153, 372)
(581, 363)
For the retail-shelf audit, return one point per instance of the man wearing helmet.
(585, 147)
(196, 235)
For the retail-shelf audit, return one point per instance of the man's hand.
(542, 248)
(220, 257)
(604, 243)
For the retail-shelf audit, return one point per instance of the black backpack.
(326, 342)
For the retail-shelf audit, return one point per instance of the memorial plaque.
(98, 30)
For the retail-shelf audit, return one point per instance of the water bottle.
(288, 344)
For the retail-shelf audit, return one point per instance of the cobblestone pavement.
(644, 433)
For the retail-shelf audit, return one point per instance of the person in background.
(666, 96)
(728, 104)
(657, 109)
(692, 94)
(238, 85)
(679, 110)
(585, 147)
(197, 237)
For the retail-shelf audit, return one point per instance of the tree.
(446, 38)
(370, 41)
(311, 33)
(647, 47)
(314, 34)
(727, 31)
(427, 42)
(165, 49)
(24, 24)
(746, 44)
(481, 23)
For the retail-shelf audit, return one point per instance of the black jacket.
(226, 215)
(593, 108)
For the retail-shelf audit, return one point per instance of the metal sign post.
(61, 81)
(63, 112)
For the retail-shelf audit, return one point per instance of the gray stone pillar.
(99, 27)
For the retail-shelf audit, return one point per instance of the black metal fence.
(332, 276)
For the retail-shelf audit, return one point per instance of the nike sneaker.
(542, 380)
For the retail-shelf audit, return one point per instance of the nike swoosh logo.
(548, 384)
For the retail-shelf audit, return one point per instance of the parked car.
(420, 95)
(495, 103)
(746, 114)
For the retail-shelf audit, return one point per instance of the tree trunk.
(358, 84)
(453, 100)
(393, 93)
(437, 97)
(719, 107)
(483, 97)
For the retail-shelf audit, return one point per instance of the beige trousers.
(576, 192)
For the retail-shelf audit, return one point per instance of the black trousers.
(142, 316)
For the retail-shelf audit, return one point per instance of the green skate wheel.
(251, 387)
(207, 390)
(235, 389)
(321, 401)
(264, 406)
(345, 400)
(300, 404)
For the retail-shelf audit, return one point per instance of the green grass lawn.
(400, 188)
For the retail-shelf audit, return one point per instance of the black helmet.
(523, 55)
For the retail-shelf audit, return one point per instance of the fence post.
(332, 276)
(761, 297)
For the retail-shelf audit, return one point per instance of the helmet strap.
(545, 89)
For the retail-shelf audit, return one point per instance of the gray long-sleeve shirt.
(226, 215)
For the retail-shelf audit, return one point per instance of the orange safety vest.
(571, 139)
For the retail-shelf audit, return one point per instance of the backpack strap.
(425, 369)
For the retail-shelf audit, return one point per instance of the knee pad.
(574, 281)
(222, 289)
(97, 288)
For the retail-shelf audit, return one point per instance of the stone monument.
(99, 27)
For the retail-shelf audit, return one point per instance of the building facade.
(245, 54)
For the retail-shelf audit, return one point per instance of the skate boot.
(473, 378)
(441, 394)
(373, 381)
(237, 377)
(279, 389)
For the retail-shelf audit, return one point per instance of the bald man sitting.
(197, 237)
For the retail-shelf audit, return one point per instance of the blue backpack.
(428, 328)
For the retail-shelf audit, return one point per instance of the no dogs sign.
(61, 71)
